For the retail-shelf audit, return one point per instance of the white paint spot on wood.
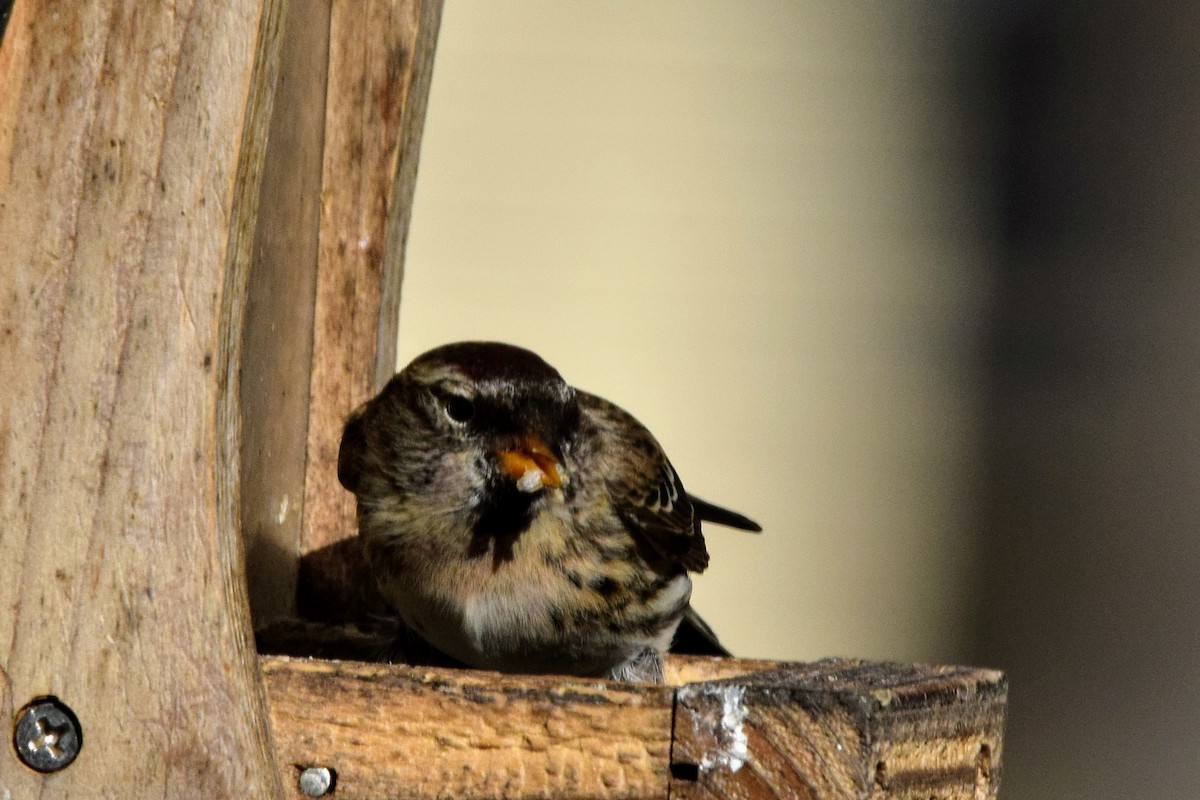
(731, 745)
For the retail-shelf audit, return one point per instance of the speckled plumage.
(517, 523)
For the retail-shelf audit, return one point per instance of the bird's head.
(462, 422)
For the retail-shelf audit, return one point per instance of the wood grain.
(750, 729)
(842, 729)
(277, 332)
(396, 731)
(131, 141)
(380, 63)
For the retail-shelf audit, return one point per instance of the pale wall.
(758, 227)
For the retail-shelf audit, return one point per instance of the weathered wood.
(380, 62)
(321, 323)
(841, 729)
(836, 729)
(397, 731)
(278, 328)
(131, 141)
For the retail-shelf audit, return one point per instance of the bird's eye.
(459, 409)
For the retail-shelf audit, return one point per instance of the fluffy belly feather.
(529, 610)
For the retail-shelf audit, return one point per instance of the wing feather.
(645, 489)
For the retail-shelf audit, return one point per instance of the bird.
(516, 523)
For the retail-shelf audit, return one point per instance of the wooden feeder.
(203, 210)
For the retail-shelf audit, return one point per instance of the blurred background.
(914, 284)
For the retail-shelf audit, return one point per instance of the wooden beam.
(321, 326)
(726, 728)
(131, 144)
(278, 328)
(839, 729)
(380, 63)
(396, 731)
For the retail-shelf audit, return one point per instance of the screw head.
(316, 781)
(47, 735)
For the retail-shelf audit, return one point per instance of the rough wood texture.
(841, 729)
(380, 62)
(395, 731)
(131, 138)
(753, 729)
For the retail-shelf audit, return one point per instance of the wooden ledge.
(719, 728)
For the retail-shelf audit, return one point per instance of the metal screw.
(316, 781)
(47, 735)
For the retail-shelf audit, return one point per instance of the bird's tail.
(723, 516)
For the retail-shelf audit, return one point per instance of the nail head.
(316, 781)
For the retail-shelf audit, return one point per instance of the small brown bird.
(519, 524)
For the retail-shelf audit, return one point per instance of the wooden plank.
(841, 729)
(380, 62)
(750, 729)
(278, 329)
(397, 731)
(131, 138)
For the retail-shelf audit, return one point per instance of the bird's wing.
(644, 488)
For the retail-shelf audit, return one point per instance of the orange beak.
(531, 465)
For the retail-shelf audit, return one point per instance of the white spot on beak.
(532, 480)
(283, 510)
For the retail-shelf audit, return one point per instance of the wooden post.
(131, 144)
(380, 64)
(277, 331)
(321, 331)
